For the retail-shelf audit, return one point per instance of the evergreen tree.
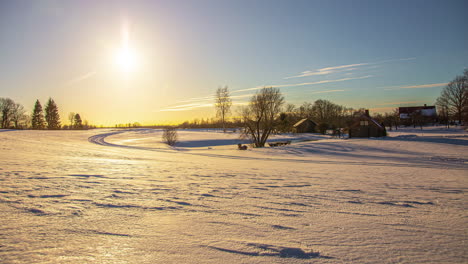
(37, 118)
(51, 115)
(78, 124)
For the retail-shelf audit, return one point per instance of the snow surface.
(121, 196)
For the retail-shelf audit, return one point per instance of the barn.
(304, 126)
(366, 126)
(421, 114)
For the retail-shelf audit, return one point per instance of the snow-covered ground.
(121, 196)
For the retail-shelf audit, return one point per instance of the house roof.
(412, 109)
(371, 120)
(302, 121)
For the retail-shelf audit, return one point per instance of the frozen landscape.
(122, 196)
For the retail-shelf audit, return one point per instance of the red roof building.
(408, 112)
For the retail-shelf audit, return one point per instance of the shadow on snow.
(325, 149)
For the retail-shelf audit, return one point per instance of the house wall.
(366, 131)
(306, 127)
(429, 112)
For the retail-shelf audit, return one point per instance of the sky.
(158, 62)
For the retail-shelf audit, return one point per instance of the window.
(364, 123)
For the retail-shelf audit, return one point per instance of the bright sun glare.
(126, 58)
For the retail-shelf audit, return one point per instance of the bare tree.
(305, 110)
(18, 116)
(325, 111)
(396, 116)
(77, 122)
(6, 111)
(390, 120)
(71, 118)
(290, 108)
(223, 104)
(443, 110)
(455, 97)
(465, 107)
(260, 116)
(169, 136)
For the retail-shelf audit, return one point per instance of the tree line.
(14, 116)
(266, 112)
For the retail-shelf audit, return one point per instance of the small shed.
(366, 126)
(304, 126)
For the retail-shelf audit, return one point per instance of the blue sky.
(372, 54)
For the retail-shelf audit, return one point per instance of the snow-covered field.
(121, 196)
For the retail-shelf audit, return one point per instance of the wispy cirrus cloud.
(184, 107)
(342, 68)
(208, 101)
(328, 70)
(80, 78)
(197, 99)
(303, 84)
(402, 102)
(424, 86)
(419, 86)
(212, 98)
(327, 91)
(201, 103)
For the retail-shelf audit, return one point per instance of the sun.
(126, 59)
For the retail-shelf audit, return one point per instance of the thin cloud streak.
(328, 70)
(400, 103)
(200, 102)
(420, 86)
(184, 107)
(80, 78)
(424, 86)
(192, 106)
(327, 91)
(303, 84)
(196, 99)
(342, 68)
(212, 98)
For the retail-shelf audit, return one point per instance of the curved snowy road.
(339, 156)
(99, 139)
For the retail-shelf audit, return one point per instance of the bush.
(169, 136)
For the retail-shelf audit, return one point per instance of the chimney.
(367, 112)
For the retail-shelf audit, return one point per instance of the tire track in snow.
(99, 139)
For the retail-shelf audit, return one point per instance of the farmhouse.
(304, 126)
(425, 113)
(366, 126)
